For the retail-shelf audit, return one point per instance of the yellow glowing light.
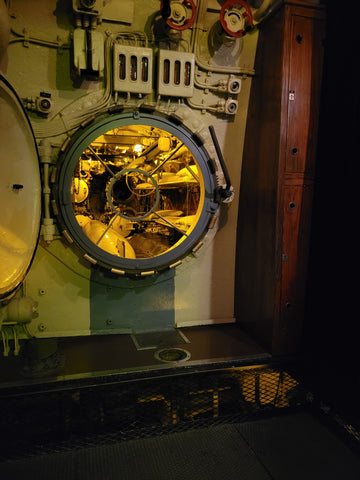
(137, 148)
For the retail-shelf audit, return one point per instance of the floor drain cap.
(172, 355)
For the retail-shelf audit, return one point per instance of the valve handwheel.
(182, 14)
(236, 17)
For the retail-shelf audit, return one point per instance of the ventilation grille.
(133, 69)
(176, 73)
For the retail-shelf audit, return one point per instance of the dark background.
(333, 295)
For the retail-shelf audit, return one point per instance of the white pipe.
(48, 228)
(73, 114)
(23, 37)
(45, 158)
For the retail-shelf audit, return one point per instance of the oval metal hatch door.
(20, 191)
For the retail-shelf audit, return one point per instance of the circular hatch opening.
(135, 192)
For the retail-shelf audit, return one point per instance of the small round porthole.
(172, 355)
(135, 192)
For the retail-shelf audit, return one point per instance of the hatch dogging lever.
(226, 193)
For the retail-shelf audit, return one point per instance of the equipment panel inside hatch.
(136, 191)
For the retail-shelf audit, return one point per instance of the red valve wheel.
(236, 17)
(183, 14)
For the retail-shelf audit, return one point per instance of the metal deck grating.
(291, 445)
(84, 416)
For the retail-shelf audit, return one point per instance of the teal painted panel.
(127, 305)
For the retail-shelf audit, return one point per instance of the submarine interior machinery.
(122, 131)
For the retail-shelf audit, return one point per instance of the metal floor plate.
(292, 446)
(166, 338)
